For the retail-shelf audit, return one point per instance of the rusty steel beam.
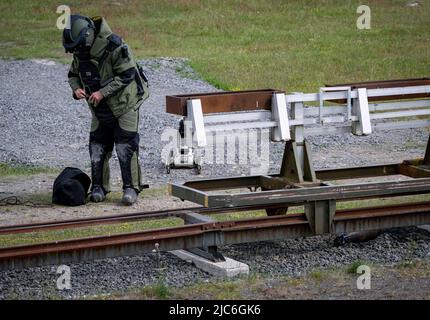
(229, 101)
(208, 234)
(166, 239)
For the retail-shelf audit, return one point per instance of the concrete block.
(425, 227)
(227, 269)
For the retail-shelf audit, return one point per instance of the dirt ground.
(406, 280)
(34, 201)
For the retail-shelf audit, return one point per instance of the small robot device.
(183, 156)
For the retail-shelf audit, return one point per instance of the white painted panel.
(238, 116)
(363, 112)
(400, 114)
(386, 106)
(397, 91)
(280, 115)
(241, 126)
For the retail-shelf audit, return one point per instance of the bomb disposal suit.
(104, 72)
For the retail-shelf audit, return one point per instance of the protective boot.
(129, 197)
(97, 194)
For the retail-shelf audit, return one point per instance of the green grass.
(292, 45)
(7, 170)
(54, 235)
(352, 268)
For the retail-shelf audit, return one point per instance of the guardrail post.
(280, 115)
(195, 114)
(297, 160)
(362, 125)
(211, 240)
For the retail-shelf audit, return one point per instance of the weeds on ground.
(161, 289)
(352, 268)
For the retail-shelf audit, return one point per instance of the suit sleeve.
(73, 75)
(123, 67)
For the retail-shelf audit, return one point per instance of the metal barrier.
(291, 121)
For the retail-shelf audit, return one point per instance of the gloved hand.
(79, 93)
(96, 97)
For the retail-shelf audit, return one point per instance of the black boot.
(97, 194)
(129, 197)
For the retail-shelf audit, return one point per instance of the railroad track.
(198, 234)
(120, 218)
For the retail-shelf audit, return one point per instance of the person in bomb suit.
(104, 72)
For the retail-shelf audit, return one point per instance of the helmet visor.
(79, 27)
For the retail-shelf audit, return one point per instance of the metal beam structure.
(215, 102)
(295, 194)
(298, 183)
(289, 118)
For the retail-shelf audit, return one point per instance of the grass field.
(292, 45)
(21, 170)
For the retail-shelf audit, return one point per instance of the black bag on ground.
(71, 187)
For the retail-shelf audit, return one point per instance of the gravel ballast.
(292, 257)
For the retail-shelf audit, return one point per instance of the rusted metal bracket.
(320, 215)
(211, 240)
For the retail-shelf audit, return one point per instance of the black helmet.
(80, 34)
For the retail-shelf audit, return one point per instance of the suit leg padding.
(127, 149)
(101, 146)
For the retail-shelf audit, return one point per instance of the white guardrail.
(289, 118)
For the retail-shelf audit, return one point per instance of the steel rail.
(83, 222)
(211, 233)
(120, 218)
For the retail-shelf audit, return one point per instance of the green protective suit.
(109, 67)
